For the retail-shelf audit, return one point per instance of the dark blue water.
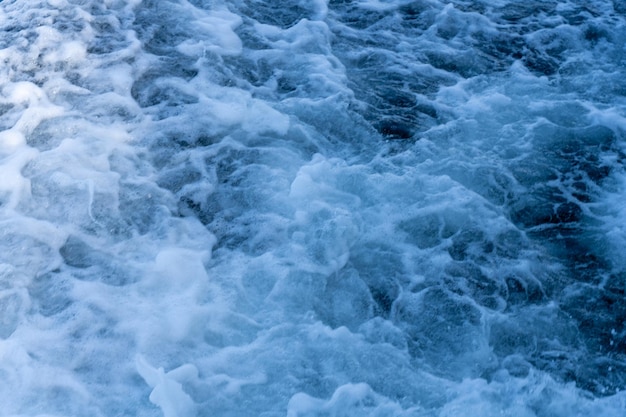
(312, 208)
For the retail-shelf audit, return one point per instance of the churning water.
(313, 208)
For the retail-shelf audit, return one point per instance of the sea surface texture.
(307, 208)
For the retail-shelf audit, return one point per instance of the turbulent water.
(313, 208)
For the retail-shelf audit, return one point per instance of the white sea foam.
(204, 209)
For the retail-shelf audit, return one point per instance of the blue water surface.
(312, 208)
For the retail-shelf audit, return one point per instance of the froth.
(311, 208)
